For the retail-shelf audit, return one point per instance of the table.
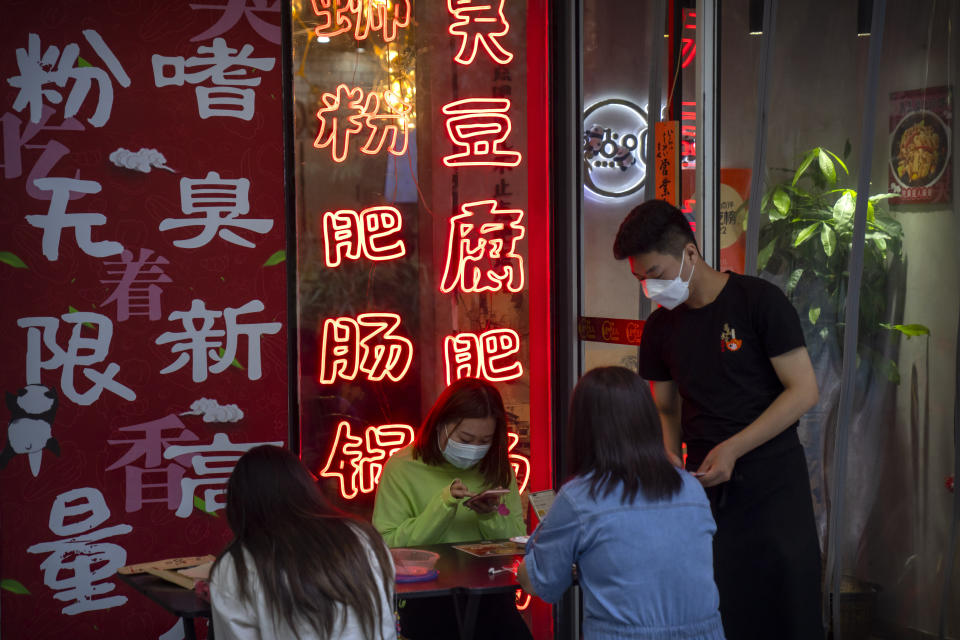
(463, 576)
(183, 603)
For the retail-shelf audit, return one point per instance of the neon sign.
(486, 25)
(363, 16)
(350, 235)
(366, 344)
(472, 242)
(346, 112)
(358, 462)
(615, 142)
(479, 127)
(519, 463)
(488, 355)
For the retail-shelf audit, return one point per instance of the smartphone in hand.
(485, 496)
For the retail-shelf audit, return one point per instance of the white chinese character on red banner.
(234, 10)
(490, 355)
(222, 201)
(225, 68)
(199, 341)
(349, 234)
(363, 16)
(137, 292)
(78, 561)
(479, 127)
(482, 249)
(81, 351)
(213, 462)
(151, 480)
(479, 23)
(346, 112)
(358, 462)
(57, 219)
(366, 344)
(43, 75)
(18, 137)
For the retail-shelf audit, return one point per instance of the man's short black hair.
(655, 225)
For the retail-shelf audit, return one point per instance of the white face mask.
(462, 455)
(669, 293)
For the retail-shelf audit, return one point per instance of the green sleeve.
(494, 526)
(398, 523)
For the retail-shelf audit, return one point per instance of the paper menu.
(541, 501)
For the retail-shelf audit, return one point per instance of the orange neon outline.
(375, 20)
(366, 455)
(382, 323)
(519, 461)
(488, 40)
(355, 443)
(451, 280)
(457, 130)
(476, 344)
(371, 111)
(331, 102)
(516, 600)
(352, 229)
(386, 357)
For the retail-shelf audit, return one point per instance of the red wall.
(117, 343)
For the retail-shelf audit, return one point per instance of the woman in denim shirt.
(638, 529)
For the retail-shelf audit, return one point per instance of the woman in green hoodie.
(460, 451)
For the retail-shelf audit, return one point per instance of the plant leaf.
(892, 371)
(813, 314)
(844, 206)
(847, 148)
(827, 167)
(881, 244)
(277, 258)
(200, 504)
(235, 363)
(805, 235)
(793, 280)
(839, 161)
(803, 165)
(828, 238)
(764, 256)
(909, 330)
(781, 201)
(12, 260)
(14, 586)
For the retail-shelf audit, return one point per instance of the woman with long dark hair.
(459, 451)
(296, 568)
(638, 529)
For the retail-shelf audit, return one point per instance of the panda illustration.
(32, 410)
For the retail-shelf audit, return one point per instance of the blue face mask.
(462, 455)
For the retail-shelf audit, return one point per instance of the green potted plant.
(807, 244)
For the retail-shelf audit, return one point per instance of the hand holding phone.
(485, 501)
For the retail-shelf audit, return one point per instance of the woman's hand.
(484, 505)
(459, 490)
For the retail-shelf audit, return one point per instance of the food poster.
(143, 275)
(920, 156)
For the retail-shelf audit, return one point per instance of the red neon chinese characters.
(358, 462)
(479, 126)
(345, 113)
(478, 24)
(482, 249)
(351, 235)
(363, 16)
(688, 46)
(489, 355)
(366, 344)
(519, 463)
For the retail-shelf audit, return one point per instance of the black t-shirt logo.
(728, 339)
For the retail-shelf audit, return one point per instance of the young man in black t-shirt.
(731, 377)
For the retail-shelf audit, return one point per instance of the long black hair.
(310, 559)
(468, 398)
(616, 436)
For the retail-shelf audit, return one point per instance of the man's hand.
(717, 467)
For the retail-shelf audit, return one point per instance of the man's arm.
(667, 398)
(799, 394)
